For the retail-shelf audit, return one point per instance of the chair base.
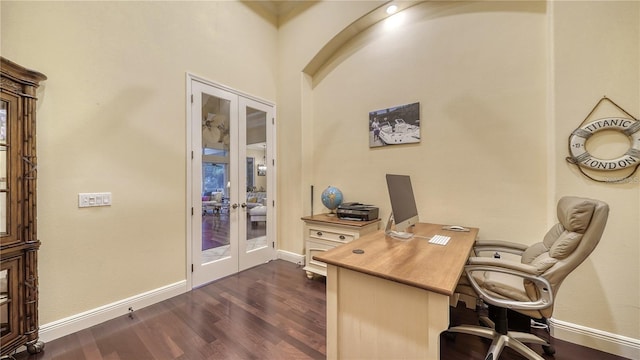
(513, 339)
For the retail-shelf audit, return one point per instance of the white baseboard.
(577, 334)
(291, 257)
(81, 321)
(595, 339)
(71, 324)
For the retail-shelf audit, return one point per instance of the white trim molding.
(596, 339)
(291, 257)
(577, 334)
(74, 323)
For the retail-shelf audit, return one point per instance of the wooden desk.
(392, 301)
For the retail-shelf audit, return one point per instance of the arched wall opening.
(479, 72)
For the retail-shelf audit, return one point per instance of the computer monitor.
(404, 212)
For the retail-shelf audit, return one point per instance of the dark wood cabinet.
(19, 243)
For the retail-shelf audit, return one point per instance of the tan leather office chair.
(530, 286)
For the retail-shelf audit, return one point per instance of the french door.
(232, 177)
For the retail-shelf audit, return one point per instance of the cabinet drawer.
(316, 248)
(324, 234)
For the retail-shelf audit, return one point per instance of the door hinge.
(192, 211)
(273, 121)
(273, 244)
(192, 98)
(191, 267)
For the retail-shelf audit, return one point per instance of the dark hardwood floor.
(469, 347)
(269, 312)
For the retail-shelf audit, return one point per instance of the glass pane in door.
(216, 184)
(257, 196)
(4, 107)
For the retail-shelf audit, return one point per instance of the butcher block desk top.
(413, 262)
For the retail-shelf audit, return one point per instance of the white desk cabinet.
(323, 232)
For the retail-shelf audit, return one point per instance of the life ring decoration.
(581, 157)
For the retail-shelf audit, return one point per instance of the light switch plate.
(94, 199)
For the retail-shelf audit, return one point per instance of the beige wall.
(482, 142)
(112, 118)
(501, 86)
(298, 42)
(596, 52)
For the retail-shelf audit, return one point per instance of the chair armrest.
(500, 246)
(500, 263)
(524, 271)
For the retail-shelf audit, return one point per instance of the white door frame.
(189, 205)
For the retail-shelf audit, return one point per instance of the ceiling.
(278, 7)
(279, 12)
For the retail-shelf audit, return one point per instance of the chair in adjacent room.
(212, 202)
(529, 285)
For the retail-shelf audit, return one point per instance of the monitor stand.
(396, 234)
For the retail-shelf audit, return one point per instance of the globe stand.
(332, 213)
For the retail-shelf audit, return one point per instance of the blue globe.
(331, 197)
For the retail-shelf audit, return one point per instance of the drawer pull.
(342, 237)
(319, 233)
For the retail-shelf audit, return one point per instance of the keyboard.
(439, 239)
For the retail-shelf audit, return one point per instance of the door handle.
(235, 206)
(243, 205)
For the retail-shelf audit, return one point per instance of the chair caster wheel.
(548, 349)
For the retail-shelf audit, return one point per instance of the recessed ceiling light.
(392, 9)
